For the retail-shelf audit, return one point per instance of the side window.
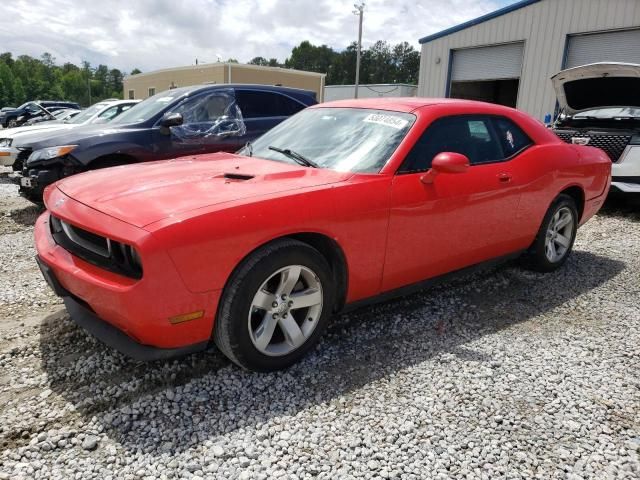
(256, 104)
(109, 113)
(469, 135)
(208, 114)
(510, 136)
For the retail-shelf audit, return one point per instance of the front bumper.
(626, 172)
(8, 156)
(33, 181)
(132, 316)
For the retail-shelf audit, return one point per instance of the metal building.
(508, 56)
(373, 90)
(145, 85)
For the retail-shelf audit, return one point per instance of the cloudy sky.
(151, 34)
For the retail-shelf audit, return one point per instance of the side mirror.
(171, 120)
(446, 162)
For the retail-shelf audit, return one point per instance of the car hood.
(37, 129)
(598, 85)
(146, 193)
(54, 137)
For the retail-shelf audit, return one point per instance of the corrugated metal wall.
(543, 27)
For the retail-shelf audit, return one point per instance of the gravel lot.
(508, 374)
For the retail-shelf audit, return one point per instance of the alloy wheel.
(285, 310)
(559, 234)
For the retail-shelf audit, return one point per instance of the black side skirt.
(430, 282)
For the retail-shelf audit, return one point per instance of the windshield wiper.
(625, 117)
(301, 159)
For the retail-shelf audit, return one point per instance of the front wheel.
(275, 306)
(554, 241)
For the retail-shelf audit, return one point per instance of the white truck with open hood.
(600, 106)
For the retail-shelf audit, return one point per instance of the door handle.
(504, 177)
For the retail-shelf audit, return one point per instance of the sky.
(153, 34)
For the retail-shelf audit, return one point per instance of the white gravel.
(502, 375)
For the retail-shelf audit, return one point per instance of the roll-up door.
(487, 63)
(620, 46)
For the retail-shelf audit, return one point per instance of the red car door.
(460, 219)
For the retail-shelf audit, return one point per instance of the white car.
(600, 107)
(101, 112)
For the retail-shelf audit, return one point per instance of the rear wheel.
(12, 123)
(554, 241)
(275, 306)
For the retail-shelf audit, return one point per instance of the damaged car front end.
(600, 107)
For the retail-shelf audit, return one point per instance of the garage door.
(621, 46)
(487, 63)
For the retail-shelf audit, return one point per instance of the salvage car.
(60, 115)
(12, 152)
(17, 116)
(600, 106)
(182, 121)
(342, 204)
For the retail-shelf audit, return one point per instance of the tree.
(135, 71)
(407, 62)
(19, 96)
(7, 79)
(259, 61)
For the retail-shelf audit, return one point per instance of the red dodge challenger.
(343, 203)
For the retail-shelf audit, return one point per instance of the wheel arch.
(111, 160)
(328, 248)
(577, 193)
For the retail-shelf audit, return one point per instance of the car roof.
(402, 104)
(247, 86)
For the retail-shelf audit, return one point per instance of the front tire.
(554, 241)
(275, 306)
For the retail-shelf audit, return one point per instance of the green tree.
(19, 96)
(7, 79)
(135, 71)
(259, 61)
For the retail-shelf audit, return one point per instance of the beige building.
(145, 85)
(509, 56)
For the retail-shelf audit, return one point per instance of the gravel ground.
(507, 374)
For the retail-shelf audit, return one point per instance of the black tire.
(12, 123)
(231, 331)
(536, 257)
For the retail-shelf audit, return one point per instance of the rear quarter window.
(511, 137)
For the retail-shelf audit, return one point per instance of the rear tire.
(12, 124)
(275, 306)
(554, 241)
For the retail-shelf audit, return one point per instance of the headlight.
(5, 142)
(50, 153)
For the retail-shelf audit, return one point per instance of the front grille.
(109, 254)
(612, 144)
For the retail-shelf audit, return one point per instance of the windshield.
(150, 107)
(86, 114)
(343, 139)
(609, 112)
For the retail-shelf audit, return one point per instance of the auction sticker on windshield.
(387, 120)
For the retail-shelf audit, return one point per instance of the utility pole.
(360, 12)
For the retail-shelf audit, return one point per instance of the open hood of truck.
(598, 85)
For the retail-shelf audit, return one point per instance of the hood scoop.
(238, 177)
